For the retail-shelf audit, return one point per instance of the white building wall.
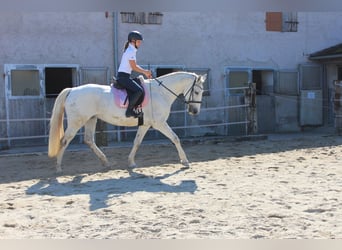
(57, 37)
(218, 39)
(84, 39)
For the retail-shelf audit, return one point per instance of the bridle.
(190, 91)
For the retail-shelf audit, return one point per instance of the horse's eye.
(196, 93)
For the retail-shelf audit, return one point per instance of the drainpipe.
(115, 42)
(115, 57)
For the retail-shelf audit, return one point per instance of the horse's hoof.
(186, 164)
(58, 170)
(131, 166)
(106, 165)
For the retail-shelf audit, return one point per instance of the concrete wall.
(75, 38)
(54, 38)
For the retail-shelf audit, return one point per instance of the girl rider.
(127, 65)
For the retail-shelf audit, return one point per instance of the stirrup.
(133, 112)
(138, 111)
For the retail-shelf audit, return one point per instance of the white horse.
(85, 104)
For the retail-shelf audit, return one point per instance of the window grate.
(141, 17)
(290, 21)
(281, 21)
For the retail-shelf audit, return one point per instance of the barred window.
(142, 17)
(281, 21)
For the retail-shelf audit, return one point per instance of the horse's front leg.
(168, 132)
(137, 141)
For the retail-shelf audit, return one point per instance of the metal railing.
(114, 133)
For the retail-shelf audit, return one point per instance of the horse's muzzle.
(193, 110)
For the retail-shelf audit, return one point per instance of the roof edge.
(336, 56)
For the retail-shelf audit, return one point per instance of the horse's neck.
(172, 86)
(177, 83)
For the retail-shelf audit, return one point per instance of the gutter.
(336, 56)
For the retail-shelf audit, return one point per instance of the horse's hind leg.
(137, 141)
(68, 136)
(167, 131)
(90, 128)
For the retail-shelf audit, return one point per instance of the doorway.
(264, 80)
(57, 79)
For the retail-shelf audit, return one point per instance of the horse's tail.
(56, 123)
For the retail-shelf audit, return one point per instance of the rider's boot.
(132, 101)
(131, 112)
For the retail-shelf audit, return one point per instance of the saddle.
(121, 96)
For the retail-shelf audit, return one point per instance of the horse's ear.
(203, 77)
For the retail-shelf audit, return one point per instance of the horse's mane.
(175, 74)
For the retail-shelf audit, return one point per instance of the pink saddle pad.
(120, 96)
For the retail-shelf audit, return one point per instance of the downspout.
(115, 56)
(115, 42)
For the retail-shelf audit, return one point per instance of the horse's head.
(193, 96)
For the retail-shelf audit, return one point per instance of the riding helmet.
(134, 35)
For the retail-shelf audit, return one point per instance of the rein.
(178, 96)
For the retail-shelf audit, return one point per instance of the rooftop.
(333, 52)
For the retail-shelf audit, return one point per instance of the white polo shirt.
(129, 54)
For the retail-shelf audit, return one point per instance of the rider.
(128, 63)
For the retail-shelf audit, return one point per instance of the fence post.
(338, 106)
(250, 101)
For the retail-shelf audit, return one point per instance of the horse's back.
(90, 90)
(89, 97)
(89, 87)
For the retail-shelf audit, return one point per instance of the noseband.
(190, 91)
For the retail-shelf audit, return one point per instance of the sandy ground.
(277, 188)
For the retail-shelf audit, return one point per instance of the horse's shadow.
(101, 190)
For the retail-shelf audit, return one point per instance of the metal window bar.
(290, 22)
(141, 17)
